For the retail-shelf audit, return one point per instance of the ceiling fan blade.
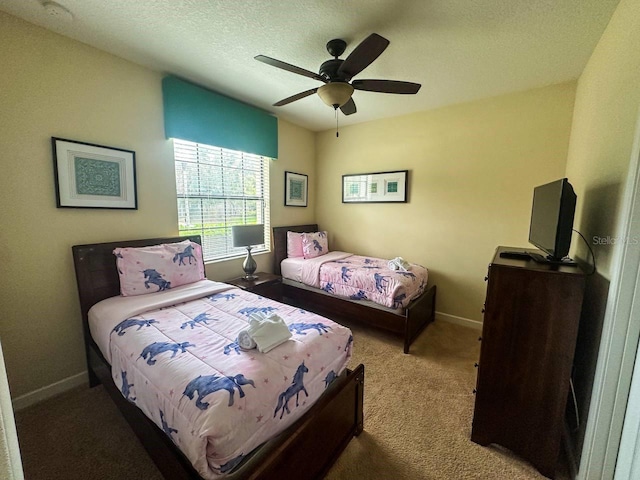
(295, 97)
(362, 56)
(349, 107)
(289, 68)
(386, 86)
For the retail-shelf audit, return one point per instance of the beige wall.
(472, 170)
(53, 86)
(604, 121)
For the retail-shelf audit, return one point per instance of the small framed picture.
(380, 187)
(295, 189)
(93, 176)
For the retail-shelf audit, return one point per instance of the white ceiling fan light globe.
(335, 94)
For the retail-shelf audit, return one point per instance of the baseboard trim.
(41, 394)
(467, 322)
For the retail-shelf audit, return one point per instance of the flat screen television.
(554, 205)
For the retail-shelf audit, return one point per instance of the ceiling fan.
(336, 74)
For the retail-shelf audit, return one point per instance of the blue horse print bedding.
(178, 360)
(360, 278)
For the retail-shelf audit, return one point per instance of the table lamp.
(248, 236)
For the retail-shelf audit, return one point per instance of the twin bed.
(205, 408)
(408, 321)
(291, 410)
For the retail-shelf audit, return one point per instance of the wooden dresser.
(531, 318)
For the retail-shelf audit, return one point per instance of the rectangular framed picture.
(296, 190)
(379, 187)
(93, 176)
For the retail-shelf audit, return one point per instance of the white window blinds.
(216, 189)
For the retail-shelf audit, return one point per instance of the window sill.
(236, 257)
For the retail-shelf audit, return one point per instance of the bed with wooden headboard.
(408, 322)
(310, 445)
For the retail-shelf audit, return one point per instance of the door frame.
(605, 445)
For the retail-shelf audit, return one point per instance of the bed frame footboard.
(311, 445)
(420, 313)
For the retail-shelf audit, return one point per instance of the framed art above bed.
(379, 187)
(296, 192)
(94, 176)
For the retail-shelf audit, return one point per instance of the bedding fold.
(310, 273)
(108, 313)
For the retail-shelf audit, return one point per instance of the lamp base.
(250, 278)
(249, 266)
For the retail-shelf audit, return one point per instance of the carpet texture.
(418, 410)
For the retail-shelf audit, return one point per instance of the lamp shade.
(247, 235)
(335, 94)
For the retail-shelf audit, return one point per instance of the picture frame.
(377, 187)
(296, 191)
(93, 176)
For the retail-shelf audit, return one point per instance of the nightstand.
(267, 284)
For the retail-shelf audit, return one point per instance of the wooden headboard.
(96, 272)
(280, 242)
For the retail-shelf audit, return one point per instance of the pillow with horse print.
(314, 244)
(159, 267)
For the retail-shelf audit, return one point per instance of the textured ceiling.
(459, 50)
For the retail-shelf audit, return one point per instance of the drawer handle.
(486, 278)
(479, 339)
(476, 364)
(475, 391)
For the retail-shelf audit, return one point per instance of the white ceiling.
(459, 50)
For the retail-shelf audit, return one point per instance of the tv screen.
(554, 206)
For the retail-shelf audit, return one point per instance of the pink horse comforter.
(181, 365)
(364, 278)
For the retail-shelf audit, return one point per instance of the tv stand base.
(536, 257)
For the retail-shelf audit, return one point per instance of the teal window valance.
(200, 115)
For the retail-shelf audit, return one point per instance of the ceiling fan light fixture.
(336, 74)
(335, 94)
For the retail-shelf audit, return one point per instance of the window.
(218, 188)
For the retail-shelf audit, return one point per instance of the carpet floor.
(418, 410)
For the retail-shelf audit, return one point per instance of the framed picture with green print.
(296, 192)
(93, 176)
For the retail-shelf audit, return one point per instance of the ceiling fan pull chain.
(337, 133)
